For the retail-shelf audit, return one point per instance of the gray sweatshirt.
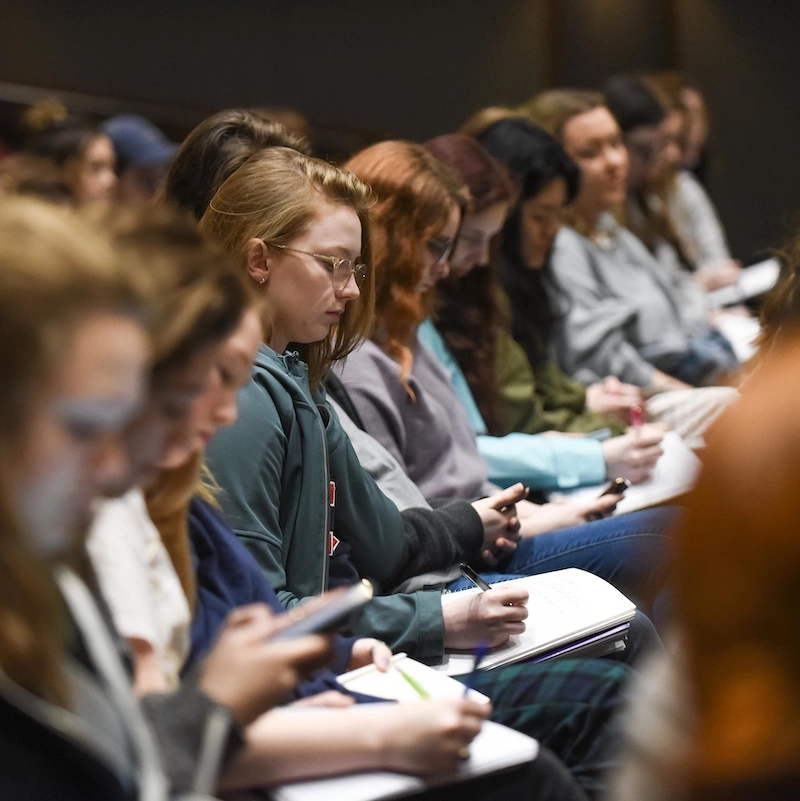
(623, 312)
(427, 433)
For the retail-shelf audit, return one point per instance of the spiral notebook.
(565, 606)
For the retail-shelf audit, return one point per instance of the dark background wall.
(416, 68)
(745, 56)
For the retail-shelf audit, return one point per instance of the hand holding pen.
(491, 616)
(611, 396)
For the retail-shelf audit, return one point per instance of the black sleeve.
(337, 390)
(436, 539)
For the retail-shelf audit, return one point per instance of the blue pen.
(480, 652)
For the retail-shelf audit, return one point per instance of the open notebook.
(564, 606)
(495, 748)
(675, 474)
(741, 332)
(406, 680)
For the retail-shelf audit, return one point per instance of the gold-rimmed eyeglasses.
(340, 269)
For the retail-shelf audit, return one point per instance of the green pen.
(415, 685)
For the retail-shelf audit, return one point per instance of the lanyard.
(104, 656)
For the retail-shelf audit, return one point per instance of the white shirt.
(139, 582)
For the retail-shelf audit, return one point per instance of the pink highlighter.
(637, 418)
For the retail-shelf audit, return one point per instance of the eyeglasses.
(472, 239)
(440, 248)
(340, 269)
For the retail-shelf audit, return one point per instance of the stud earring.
(262, 281)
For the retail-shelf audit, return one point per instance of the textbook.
(495, 748)
(565, 607)
(674, 475)
(754, 281)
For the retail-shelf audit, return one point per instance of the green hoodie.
(274, 466)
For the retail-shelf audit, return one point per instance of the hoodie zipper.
(294, 358)
(325, 505)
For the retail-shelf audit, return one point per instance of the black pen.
(472, 576)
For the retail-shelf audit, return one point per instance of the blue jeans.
(629, 551)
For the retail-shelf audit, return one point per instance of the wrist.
(375, 739)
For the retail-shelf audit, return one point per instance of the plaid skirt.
(569, 706)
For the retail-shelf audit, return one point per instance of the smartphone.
(616, 487)
(331, 615)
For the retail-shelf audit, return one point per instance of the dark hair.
(62, 140)
(486, 179)
(466, 308)
(532, 156)
(636, 102)
(633, 102)
(534, 159)
(216, 148)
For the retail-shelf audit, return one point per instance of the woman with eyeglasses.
(293, 490)
(414, 242)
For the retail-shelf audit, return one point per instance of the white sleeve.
(702, 219)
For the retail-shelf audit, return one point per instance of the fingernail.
(383, 662)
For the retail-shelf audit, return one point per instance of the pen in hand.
(637, 418)
(472, 575)
(480, 652)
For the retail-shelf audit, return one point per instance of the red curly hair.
(415, 194)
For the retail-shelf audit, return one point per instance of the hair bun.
(43, 115)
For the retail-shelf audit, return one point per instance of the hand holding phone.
(332, 613)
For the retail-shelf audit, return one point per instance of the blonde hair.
(482, 119)
(274, 196)
(197, 294)
(168, 506)
(553, 108)
(55, 270)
